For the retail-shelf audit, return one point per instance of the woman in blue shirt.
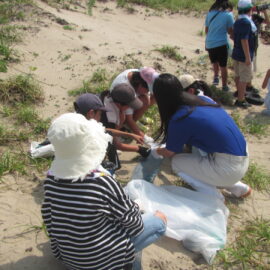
(218, 23)
(201, 123)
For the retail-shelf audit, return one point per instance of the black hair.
(136, 80)
(170, 96)
(221, 5)
(200, 85)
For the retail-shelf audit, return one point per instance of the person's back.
(218, 28)
(210, 129)
(242, 31)
(86, 230)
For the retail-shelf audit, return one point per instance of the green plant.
(249, 125)
(20, 89)
(68, 27)
(251, 248)
(11, 162)
(12, 10)
(225, 98)
(173, 5)
(97, 83)
(170, 52)
(129, 61)
(257, 177)
(90, 5)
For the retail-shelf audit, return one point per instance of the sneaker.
(252, 89)
(216, 81)
(225, 88)
(242, 104)
(240, 190)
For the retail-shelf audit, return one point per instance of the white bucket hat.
(80, 145)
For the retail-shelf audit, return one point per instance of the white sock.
(238, 189)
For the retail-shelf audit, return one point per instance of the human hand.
(144, 151)
(248, 62)
(161, 216)
(138, 138)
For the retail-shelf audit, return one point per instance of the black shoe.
(242, 104)
(252, 90)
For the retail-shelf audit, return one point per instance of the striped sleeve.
(122, 207)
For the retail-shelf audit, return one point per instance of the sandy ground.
(111, 33)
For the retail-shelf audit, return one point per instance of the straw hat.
(80, 145)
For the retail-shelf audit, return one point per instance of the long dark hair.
(170, 96)
(221, 5)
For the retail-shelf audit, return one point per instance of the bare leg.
(216, 69)
(224, 75)
(241, 89)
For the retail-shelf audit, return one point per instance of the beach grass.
(251, 126)
(98, 82)
(170, 52)
(173, 5)
(257, 177)
(20, 89)
(250, 248)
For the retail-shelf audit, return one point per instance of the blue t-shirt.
(242, 30)
(209, 128)
(218, 28)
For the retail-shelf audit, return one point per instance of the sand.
(61, 59)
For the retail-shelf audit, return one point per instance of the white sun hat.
(80, 145)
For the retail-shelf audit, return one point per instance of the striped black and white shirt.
(90, 222)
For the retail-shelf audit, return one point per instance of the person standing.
(244, 33)
(218, 24)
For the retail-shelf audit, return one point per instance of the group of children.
(244, 32)
(91, 222)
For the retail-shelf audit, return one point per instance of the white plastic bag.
(37, 151)
(197, 219)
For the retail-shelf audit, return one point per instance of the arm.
(124, 147)
(230, 32)
(115, 132)
(245, 46)
(206, 30)
(165, 152)
(266, 18)
(266, 79)
(122, 208)
(132, 124)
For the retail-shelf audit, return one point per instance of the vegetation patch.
(20, 89)
(250, 249)
(251, 126)
(99, 82)
(257, 177)
(170, 52)
(173, 5)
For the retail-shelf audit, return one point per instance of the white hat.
(244, 4)
(80, 145)
(186, 80)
